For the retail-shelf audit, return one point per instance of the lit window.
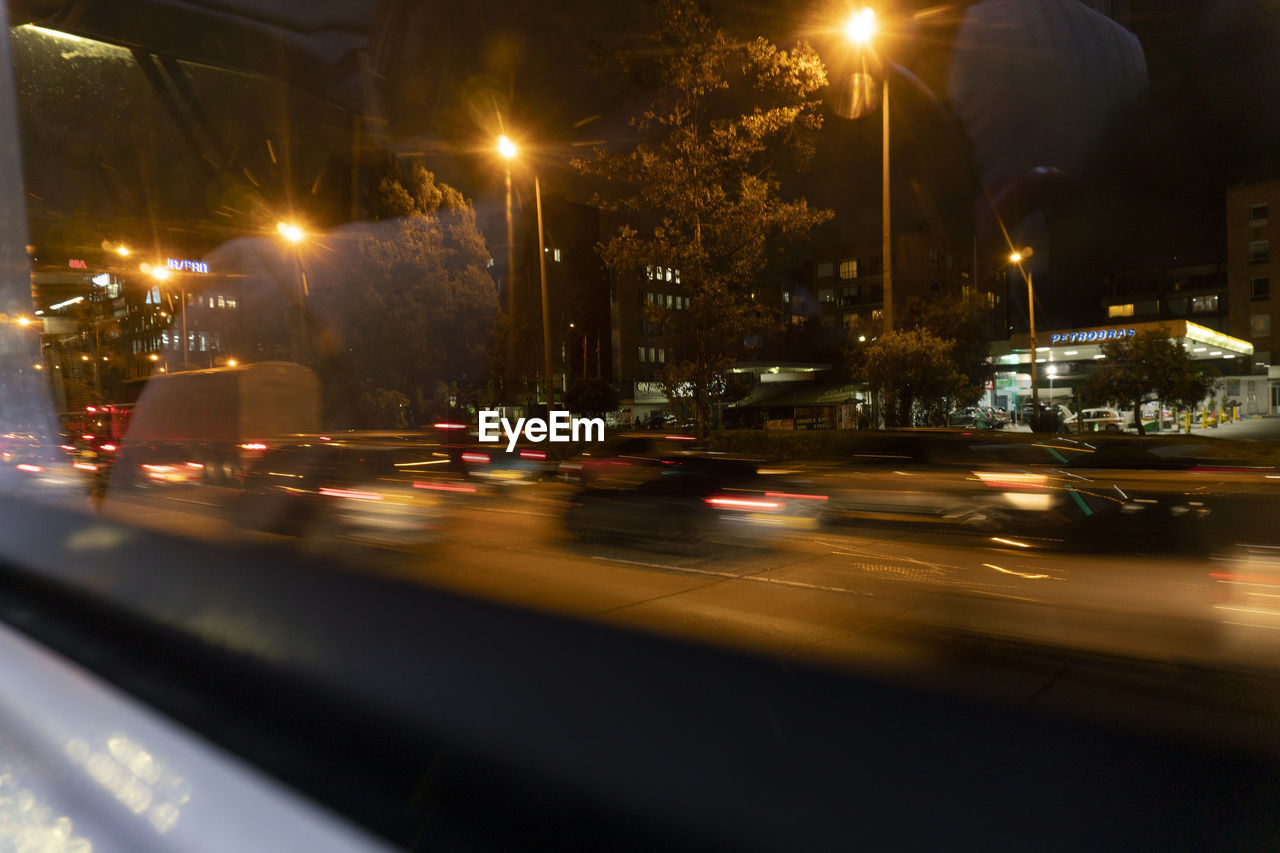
(640, 353)
(1260, 326)
(1258, 214)
(1204, 303)
(653, 356)
(222, 302)
(826, 270)
(676, 279)
(669, 300)
(1259, 251)
(555, 255)
(231, 303)
(786, 296)
(1125, 310)
(662, 356)
(1259, 288)
(849, 268)
(649, 298)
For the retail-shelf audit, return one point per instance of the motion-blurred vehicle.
(625, 458)
(1156, 492)
(691, 500)
(363, 492)
(218, 422)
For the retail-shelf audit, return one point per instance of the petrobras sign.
(1091, 336)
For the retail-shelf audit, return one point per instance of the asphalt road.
(1134, 640)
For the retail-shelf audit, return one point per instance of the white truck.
(212, 424)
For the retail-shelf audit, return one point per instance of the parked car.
(1097, 420)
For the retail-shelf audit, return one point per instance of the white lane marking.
(736, 577)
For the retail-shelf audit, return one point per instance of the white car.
(1098, 420)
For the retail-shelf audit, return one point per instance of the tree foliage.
(418, 315)
(724, 117)
(1149, 366)
(914, 369)
(960, 321)
(591, 397)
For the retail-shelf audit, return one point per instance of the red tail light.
(741, 503)
(532, 454)
(444, 487)
(110, 448)
(33, 468)
(798, 497)
(253, 445)
(353, 494)
(451, 426)
(476, 458)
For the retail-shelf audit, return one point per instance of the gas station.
(1065, 358)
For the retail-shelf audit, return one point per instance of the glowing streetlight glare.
(24, 321)
(122, 251)
(154, 357)
(861, 26)
(506, 148)
(290, 232)
(158, 273)
(1016, 257)
(231, 362)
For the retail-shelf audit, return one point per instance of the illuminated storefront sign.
(1091, 336)
(179, 265)
(77, 264)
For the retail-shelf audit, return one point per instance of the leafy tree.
(960, 321)
(383, 409)
(419, 314)
(591, 397)
(724, 117)
(913, 368)
(1149, 366)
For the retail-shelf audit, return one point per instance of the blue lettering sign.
(179, 265)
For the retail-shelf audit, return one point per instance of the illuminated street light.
(507, 150)
(24, 321)
(157, 272)
(290, 232)
(231, 362)
(122, 251)
(1017, 257)
(861, 26)
(859, 30)
(154, 357)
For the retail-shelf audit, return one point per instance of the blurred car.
(364, 492)
(1072, 491)
(625, 458)
(692, 500)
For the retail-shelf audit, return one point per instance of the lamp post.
(294, 235)
(507, 150)
(162, 274)
(859, 30)
(1018, 257)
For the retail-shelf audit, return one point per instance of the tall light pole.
(1018, 257)
(546, 304)
(294, 235)
(859, 30)
(507, 150)
(162, 274)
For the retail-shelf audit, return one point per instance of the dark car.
(626, 458)
(366, 492)
(690, 500)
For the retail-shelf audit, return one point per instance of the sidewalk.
(1263, 427)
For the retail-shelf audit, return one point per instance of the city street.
(1130, 639)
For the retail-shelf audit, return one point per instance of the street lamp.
(1017, 257)
(507, 149)
(162, 274)
(294, 235)
(859, 30)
